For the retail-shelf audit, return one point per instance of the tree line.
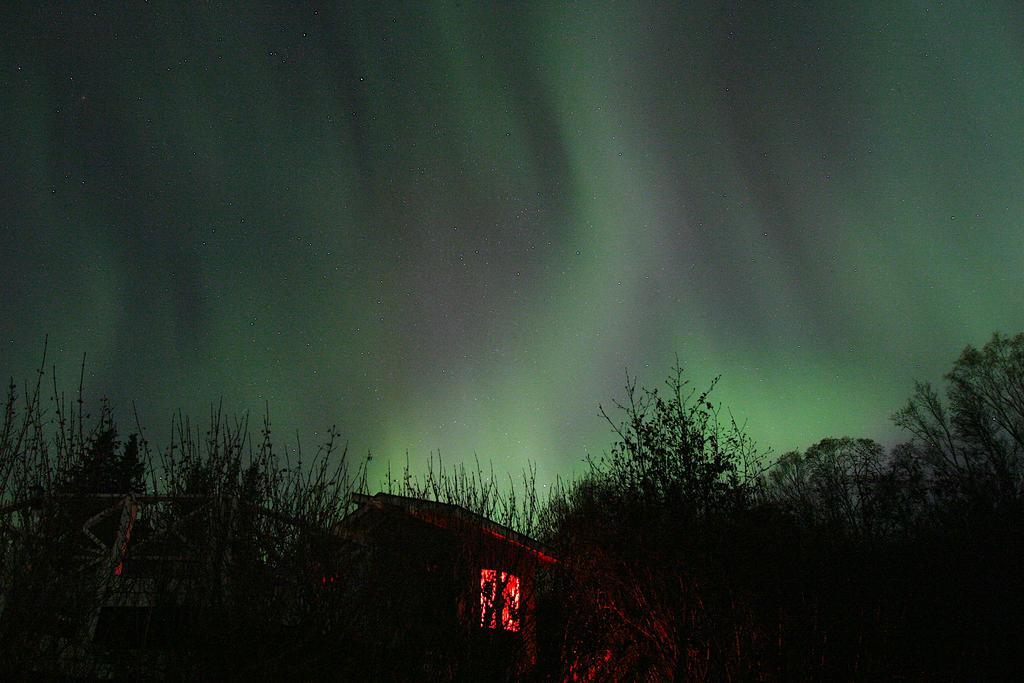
(691, 557)
(686, 553)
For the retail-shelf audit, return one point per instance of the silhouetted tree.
(106, 465)
(646, 543)
(848, 486)
(973, 442)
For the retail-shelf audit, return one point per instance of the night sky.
(455, 226)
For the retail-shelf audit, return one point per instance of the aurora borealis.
(454, 226)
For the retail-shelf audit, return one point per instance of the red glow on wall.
(499, 600)
(543, 557)
(595, 668)
(128, 521)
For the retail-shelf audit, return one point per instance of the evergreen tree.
(107, 465)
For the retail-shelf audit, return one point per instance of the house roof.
(448, 516)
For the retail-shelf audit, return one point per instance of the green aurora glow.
(455, 226)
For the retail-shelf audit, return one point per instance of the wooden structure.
(461, 585)
(89, 577)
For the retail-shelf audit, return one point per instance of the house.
(454, 587)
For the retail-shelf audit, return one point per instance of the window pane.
(499, 600)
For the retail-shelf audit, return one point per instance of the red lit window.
(499, 600)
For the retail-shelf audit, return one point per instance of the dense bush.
(685, 559)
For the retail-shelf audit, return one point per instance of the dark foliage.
(105, 465)
(685, 561)
(218, 557)
(683, 556)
